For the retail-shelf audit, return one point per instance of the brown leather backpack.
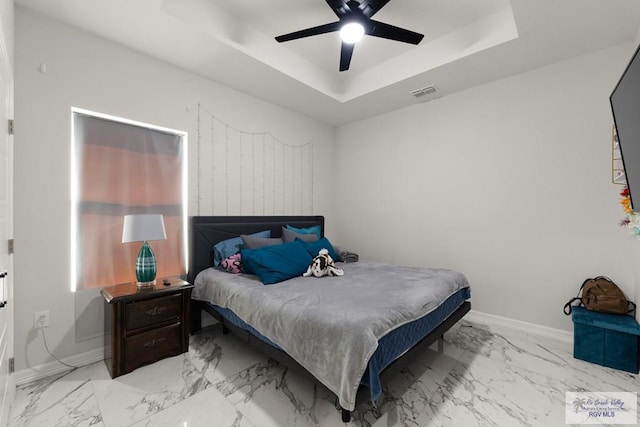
(602, 295)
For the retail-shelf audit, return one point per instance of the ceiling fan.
(355, 21)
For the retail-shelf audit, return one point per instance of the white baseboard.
(518, 325)
(51, 368)
(39, 372)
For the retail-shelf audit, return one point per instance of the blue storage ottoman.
(606, 339)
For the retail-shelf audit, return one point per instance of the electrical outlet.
(41, 319)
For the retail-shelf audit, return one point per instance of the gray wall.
(509, 182)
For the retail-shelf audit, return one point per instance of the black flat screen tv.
(625, 105)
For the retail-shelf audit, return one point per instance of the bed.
(345, 331)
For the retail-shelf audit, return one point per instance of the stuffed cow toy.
(322, 265)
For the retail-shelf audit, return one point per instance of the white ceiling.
(467, 42)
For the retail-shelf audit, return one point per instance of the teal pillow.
(273, 264)
(314, 247)
(308, 230)
(224, 249)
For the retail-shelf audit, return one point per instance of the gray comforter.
(331, 325)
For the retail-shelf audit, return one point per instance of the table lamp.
(143, 228)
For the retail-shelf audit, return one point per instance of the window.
(121, 167)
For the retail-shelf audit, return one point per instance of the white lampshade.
(142, 228)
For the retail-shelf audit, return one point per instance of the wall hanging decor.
(241, 172)
(631, 221)
(617, 167)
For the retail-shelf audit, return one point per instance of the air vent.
(425, 93)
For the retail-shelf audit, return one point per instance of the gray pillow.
(251, 242)
(226, 248)
(290, 236)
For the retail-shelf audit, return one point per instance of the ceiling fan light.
(352, 32)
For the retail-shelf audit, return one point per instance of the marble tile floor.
(486, 376)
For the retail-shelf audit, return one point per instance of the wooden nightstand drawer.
(153, 311)
(144, 326)
(149, 347)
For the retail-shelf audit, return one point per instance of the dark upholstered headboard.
(206, 231)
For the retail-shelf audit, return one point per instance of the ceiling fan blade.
(386, 31)
(339, 7)
(346, 53)
(371, 7)
(313, 31)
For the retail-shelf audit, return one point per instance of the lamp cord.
(44, 339)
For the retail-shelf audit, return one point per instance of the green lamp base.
(146, 267)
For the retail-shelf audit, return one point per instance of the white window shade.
(123, 168)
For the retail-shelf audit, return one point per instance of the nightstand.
(143, 326)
